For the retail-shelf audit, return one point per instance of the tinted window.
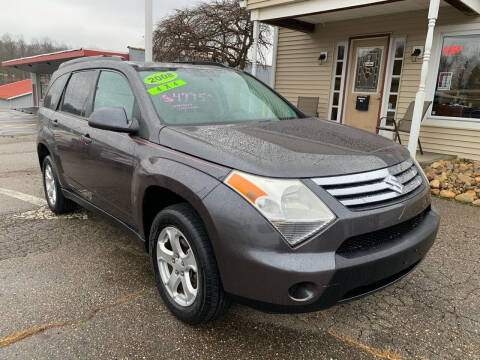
(55, 92)
(78, 92)
(201, 96)
(113, 90)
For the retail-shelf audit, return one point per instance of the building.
(352, 51)
(42, 66)
(16, 95)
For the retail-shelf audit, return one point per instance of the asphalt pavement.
(78, 287)
(13, 122)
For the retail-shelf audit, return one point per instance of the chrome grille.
(373, 188)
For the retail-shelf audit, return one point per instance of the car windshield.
(212, 96)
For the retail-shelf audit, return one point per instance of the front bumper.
(258, 268)
(353, 278)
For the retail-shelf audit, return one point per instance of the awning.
(48, 63)
(304, 15)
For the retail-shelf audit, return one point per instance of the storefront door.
(366, 74)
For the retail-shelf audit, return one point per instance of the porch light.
(417, 52)
(322, 58)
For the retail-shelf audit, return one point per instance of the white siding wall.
(16, 103)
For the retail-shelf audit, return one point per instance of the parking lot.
(16, 123)
(76, 286)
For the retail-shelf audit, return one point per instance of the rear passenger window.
(77, 95)
(113, 90)
(55, 92)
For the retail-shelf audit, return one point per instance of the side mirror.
(113, 119)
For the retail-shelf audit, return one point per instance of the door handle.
(55, 122)
(86, 139)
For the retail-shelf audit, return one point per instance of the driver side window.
(113, 90)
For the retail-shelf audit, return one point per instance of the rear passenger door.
(70, 125)
(110, 153)
(48, 117)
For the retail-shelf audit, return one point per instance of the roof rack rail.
(90, 58)
(201, 62)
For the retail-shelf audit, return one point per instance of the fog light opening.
(303, 291)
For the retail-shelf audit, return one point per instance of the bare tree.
(217, 31)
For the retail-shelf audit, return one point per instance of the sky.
(99, 24)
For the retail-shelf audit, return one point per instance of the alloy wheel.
(177, 266)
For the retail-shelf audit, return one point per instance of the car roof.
(118, 61)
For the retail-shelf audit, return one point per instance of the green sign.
(160, 78)
(165, 87)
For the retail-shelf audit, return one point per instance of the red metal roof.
(67, 54)
(15, 89)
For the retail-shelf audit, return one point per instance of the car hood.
(298, 148)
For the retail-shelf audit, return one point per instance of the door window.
(78, 93)
(393, 85)
(113, 90)
(367, 71)
(55, 92)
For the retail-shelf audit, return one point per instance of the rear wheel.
(56, 201)
(184, 266)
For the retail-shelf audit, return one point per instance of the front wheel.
(184, 266)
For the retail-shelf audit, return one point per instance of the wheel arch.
(162, 191)
(43, 151)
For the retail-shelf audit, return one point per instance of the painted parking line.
(41, 213)
(15, 126)
(23, 197)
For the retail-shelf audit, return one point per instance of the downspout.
(420, 97)
(274, 56)
(256, 33)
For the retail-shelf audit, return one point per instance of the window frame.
(388, 83)
(342, 76)
(60, 99)
(88, 105)
(440, 33)
(135, 109)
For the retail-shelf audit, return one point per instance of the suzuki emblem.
(394, 184)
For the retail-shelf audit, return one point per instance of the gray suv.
(234, 193)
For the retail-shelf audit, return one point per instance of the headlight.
(289, 205)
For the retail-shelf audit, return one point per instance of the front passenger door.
(110, 153)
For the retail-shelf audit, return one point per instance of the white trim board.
(296, 8)
(17, 96)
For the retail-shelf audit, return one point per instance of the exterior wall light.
(417, 52)
(322, 59)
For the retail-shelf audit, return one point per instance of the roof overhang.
(48, 63)
(16, 96)
(302, 15)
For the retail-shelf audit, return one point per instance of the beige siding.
(299, 74)
(460, 142)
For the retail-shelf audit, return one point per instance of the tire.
(56, 201)
(210, 301)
